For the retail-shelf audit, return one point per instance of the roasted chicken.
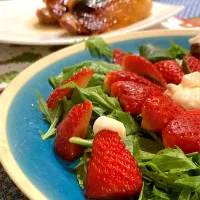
(87, 17)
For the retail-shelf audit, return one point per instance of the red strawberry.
(190, 64)
(183, 131)
(81, 79)
(112, 171)
(115, 76)
(75, 124)
(170, 70)
(157, 111)
(131, 95)
(117, 56)
(141, 66)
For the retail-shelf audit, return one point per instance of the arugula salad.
(124, 87)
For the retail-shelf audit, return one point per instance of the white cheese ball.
(106, 123)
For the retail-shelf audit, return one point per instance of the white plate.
(19, 24)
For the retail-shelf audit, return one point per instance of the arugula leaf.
(196, 196)
(136, 149)
(102, 103)
(67, 106)
(98, 47)
(154, 53)
(173, 160)
(100, 68)
(157, 194)
(192, 181)
(81, 142)
(178, 51)
(52, 116)
(130, 124)
(146, 191)
(185, 194)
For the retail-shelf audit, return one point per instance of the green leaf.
(185, 194)
(192, 181)
(157, 194)
(173, 160)
(101, 69)
(98, 47)
(155, 53)
(52, 116)
(196, 196)
(130, 124)
(178, 51)
(67, 106)
(146, 191)
(136, 149)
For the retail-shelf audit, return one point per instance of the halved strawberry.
(157, 111)
(141, 66)
(170, 70)
(75, 124)
(112, 171)
(118, 56)
(115, 76)
(131, 95)
(183, 131)
(191, 64)
(81, 79)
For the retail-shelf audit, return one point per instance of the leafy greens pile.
(167, 173)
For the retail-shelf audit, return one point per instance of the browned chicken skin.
(94, 16)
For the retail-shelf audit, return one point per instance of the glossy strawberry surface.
(115, 76)
(183, 131)
(157, 111)
(81, 79)
(117, 56)
(75, 124)
(112, 171)
(131, 95)
(170, 70)
(141, 66)
(191, 64)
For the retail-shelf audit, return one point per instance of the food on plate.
(183, 131)
(191, 64)
(93, 17)
(157, 111)
(113, 173)
(120, 119)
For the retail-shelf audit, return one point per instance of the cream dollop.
(106, 123)
(187, 93)
(195, 39)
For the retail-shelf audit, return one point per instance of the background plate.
(29, 161)
(19, 24)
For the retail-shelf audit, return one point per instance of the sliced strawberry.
(170, 70)
(115, 76)
(183, 131)
(191, 64)
(75, 124)
(112, 171)
(81, 79)
(131, 95)
(141, 66)
(157, 111)
(118, 56)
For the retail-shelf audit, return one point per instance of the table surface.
(15, 58)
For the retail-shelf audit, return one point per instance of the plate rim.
(78, 38)
(6, 157)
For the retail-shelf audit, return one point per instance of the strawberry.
(183, 131)
(112, 171)
(81, 79)
(157, 111)
(170, 70)
(191, 64)
(117, 56)
(115, 76)
(141, 66)
(131, 95)
(75, 124)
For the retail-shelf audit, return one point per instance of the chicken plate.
(86, 17)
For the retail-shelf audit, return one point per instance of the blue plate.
(31, 162)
